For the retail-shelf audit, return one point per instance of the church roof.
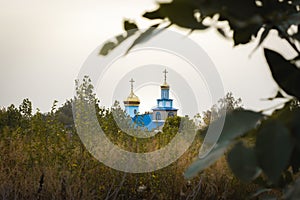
(145, 121)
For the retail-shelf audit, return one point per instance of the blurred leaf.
(222, 32)
(279, 95)
(270, 197)
(286, 74)
(156, 14)
(243, 35)
(292, 119)
(260, 191)
(110, 45)
(287, 178)
(107, 47)
(296, 2)
(293, 19)
(241, 10)
(201, 164)
(295, 160)
(143, 36)
(293, 192)
(181, 14)
(274, 146)
(128, 25)
(242, 161)
(130, 28)
(262, 37)
(237, 123)
(120, 38)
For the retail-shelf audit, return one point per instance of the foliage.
(225, 105)
(46, 159)
(64, 114)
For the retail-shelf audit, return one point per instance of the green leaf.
(237, 123)
(242, 161)
(201, 164)
(286, 74)
(273, 148)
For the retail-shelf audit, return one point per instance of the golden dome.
(165, 86)
(132, 99)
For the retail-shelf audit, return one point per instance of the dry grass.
(36, 166)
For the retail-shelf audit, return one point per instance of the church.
(155, 119)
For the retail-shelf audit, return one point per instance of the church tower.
(132, 102)
(164, 106)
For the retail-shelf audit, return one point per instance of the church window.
(158, 116)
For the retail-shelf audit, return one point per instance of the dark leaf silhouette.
(273, 148)
(156, 14)
(242, 161)
(128, 25)
(286, 74)
(143, 37)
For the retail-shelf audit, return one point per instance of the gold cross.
(131, 82)
(165, 72)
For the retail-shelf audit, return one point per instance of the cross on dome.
(165, 72)
(131, 82)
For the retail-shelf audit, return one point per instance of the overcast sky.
(43, 44)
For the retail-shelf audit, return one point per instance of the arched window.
(134, 111)
(158, 116)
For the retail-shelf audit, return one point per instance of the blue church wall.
(165, 103)
(165, 94)
(132, 110)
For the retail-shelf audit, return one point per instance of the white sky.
(43, 44)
